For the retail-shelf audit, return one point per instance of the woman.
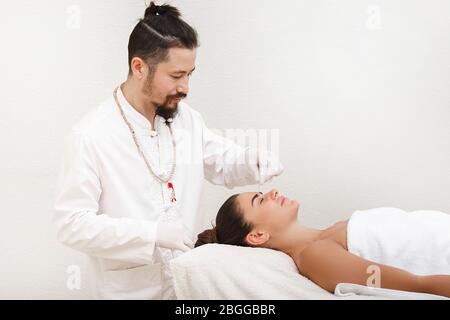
(383, 247)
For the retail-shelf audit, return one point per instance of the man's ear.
(138, 67)
(257, 237)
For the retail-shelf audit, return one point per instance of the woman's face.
(270, 211)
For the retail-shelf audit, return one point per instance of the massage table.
(226, 272)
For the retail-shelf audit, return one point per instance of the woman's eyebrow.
(256, 195)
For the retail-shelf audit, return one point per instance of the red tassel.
(172, 196)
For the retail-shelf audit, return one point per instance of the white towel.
(216, 271)
(351, 289)
(417, 241)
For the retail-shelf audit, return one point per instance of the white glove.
(173, 235)
(268, 165)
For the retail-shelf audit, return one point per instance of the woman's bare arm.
(436, 284)
(327, 264)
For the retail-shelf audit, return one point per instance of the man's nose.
(183, 88)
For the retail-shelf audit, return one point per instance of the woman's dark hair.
(161, 29)
(231, 227)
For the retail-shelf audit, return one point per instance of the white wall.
(359, 91)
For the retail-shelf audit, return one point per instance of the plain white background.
(358, 91)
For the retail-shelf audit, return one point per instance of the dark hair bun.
(164, 10)
(207, 236)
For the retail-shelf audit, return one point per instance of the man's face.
(170, 81)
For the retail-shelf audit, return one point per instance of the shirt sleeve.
(81, 226)
(226, 163)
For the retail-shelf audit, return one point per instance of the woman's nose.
(273, 194)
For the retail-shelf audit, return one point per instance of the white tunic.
(108, 204)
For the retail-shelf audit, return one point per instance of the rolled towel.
(351, 289)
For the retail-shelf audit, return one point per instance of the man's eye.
(176, 77)
(262, 199)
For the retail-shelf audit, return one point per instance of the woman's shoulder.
(315, 253)
(332, 238)
(336, 233)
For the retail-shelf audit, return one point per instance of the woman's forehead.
(246, 199)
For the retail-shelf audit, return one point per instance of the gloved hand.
(173, 235)
(268, 165)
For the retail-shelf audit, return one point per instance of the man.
(132, 177)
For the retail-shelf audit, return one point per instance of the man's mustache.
(179, 95)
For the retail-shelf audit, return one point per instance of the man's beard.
(167, 112)
(163, 110)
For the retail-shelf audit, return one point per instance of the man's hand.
(268, 165)
(265, 164)
(173, 235)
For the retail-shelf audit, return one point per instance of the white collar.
(139, 122)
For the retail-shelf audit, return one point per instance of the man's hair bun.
(164, 10)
